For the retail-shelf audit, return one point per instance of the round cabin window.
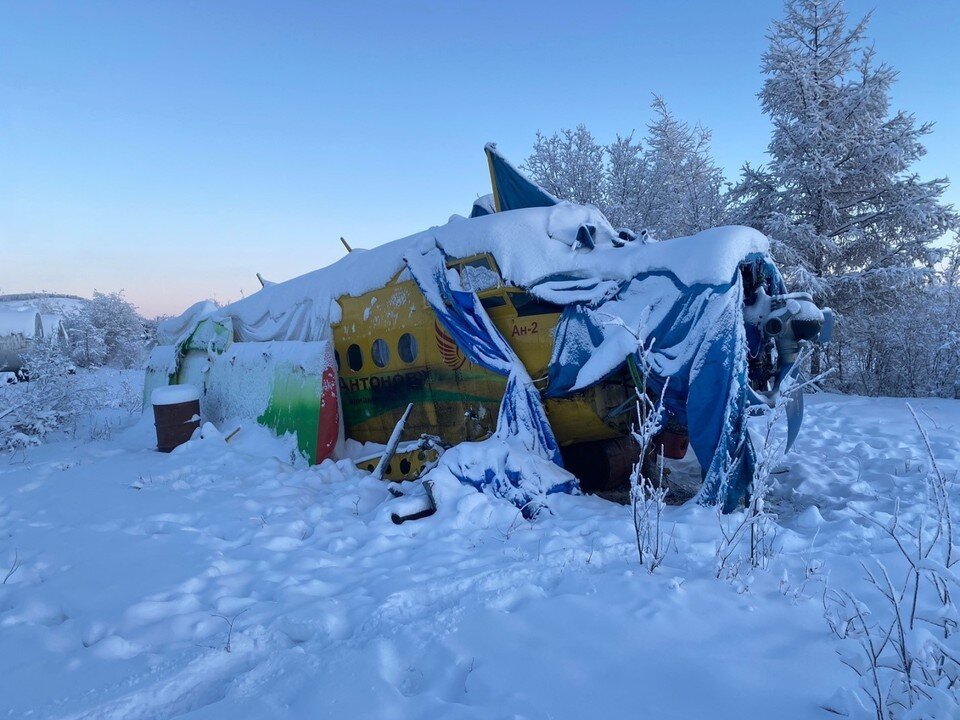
(355, 357)
(407, 347)
(380, 352)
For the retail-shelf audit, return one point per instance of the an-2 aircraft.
(392, 350)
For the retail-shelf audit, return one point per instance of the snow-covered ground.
(135, 564)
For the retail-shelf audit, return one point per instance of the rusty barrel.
(176, 414)
(672, 444)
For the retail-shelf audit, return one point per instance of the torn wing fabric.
(696, 338)
(719, 429)
(522, 419)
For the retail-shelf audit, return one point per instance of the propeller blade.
(826, 332)
(794, 417)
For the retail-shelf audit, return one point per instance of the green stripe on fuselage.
(367, 397)
(295, 407)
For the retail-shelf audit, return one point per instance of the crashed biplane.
(517, 335)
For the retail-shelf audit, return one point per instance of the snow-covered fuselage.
(572, 314)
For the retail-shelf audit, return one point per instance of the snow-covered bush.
(909, 348)
(648, 492)
(107, 331)
(748, 536)
(49, 400)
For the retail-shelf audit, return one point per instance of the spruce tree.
(849, 219)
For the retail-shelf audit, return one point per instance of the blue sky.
(175, 149)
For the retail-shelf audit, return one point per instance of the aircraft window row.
(407, 349)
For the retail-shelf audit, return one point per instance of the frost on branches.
(50, 400)
(908, 347)
(670, 187)
(849, 219)
(107, 331)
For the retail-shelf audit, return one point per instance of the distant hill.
(47, 303)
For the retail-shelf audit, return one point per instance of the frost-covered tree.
(87, 344)
(685, 187)
(848, 217)
(569, 165)
(669, 186)
(627, 190)
(106, 331)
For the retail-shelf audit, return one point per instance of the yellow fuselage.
(391, 351)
